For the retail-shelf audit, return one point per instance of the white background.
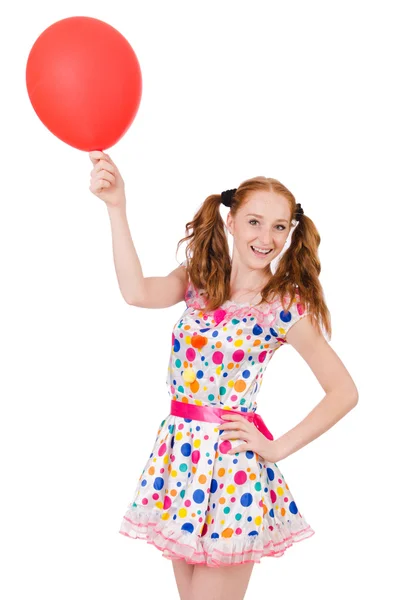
(300, 91)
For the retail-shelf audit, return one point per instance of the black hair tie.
(298, 212)
(227, 197)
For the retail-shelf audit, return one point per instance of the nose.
(265, 237)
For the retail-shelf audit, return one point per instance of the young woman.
(211, 496)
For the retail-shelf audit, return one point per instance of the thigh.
(183, 575)
(221, 583)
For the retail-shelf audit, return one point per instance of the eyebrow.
(260, 217)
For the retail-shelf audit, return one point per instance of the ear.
(229, 223)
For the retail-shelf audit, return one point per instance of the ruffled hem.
(175, 544)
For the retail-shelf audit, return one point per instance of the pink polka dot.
(239, 531)
(217, 358)
(167, 502)
(144, 501)
(155, 496)
(162, 449)
(188, 502)
(238, 355)
(262, 356)
(224, 447)
(273, 496)
(240, 477)
(195, 456)
(219, 315)
(190, 354)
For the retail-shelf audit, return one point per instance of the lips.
(261, 253)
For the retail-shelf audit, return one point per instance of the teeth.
(262, 251)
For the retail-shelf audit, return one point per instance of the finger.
(230, 435)
(104, 165)
(96, 155)
(240, 448)
(233, 417)
(102, 174)
(109, 159)
(97, 187)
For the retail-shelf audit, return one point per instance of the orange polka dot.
(227, 533)
(240, 385)
(202, 479)
(195, 386)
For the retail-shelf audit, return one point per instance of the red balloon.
(84, 82)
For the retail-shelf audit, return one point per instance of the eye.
(256, 221)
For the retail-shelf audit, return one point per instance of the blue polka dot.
(199, 375)
(257, 329)
(187, 527)
(198, 496)
(158, 483)
(285, 316)
(270, 473)
(177, 345)
(246, 374)
(186, 449)
(246, 499)
(214, 486)
(214, 536)
(293, 508)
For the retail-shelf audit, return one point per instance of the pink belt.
(214, 415)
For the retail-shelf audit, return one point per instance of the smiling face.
(262, 222)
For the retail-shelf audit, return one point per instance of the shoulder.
(286, 319)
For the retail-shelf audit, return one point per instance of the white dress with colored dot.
(193, 501)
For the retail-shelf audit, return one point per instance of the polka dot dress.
(193, 500)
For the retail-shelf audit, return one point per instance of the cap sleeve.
(286, 319)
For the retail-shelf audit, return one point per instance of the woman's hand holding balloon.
(106, 181)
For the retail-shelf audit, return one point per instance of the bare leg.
(183, 575)
(220, 583)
